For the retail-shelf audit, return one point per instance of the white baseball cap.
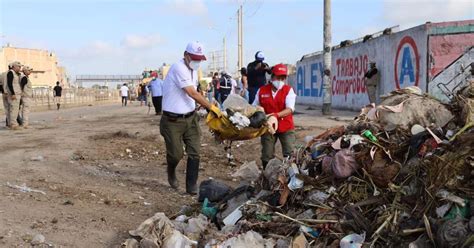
(196, 51)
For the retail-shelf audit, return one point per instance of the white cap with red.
(195, 51)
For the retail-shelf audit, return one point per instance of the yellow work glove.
(214, 109)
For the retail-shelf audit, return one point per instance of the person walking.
(256, 75)
(26, 95)
(124, 92)
(216, 85)
(156, 90)
(3, 92)
(57, 91)
(143, 92)
(14, 94)
(180, 124)
(227, 86)
(372, 82)
(278, 99)
(243, 84)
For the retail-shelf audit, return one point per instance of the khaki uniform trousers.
(14, 110)
(287, 141)
(177, 131)
(25, 109)
(6, 108)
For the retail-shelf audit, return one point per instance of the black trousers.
(124, 100)
(157, 103)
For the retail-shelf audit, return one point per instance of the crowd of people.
(149, 92)
(17, 95)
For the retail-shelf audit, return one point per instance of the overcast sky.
(126, 36)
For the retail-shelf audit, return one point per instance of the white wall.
(405, 52)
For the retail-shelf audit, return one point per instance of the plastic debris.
(248, 172)
(239, 120)
(213, 190)
(352, 241)
(25, 189)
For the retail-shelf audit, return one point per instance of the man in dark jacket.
(256, 75)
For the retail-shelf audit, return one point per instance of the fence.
(43, 97)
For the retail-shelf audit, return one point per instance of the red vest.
(275, 105)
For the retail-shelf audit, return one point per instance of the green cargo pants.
(177, 131)
(287, 141)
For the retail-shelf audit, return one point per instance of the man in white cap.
(3, 92)
(14, 94)
(257, 75)
(26, 95)
(180, 123)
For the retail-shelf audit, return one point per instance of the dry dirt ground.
(102, 170)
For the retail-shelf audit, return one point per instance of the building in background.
(46, 69)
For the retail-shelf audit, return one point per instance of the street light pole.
(327, 83)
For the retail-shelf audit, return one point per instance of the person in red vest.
(278, 99)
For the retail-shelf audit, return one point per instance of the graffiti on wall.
(315, 88)
(348, 77)
(407, 64)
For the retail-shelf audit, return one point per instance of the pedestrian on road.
(124, 93)
(3, 91)
(57, 91)
(143, 92)
(156, 89)
(257, 75)
(216, 85)
(14, 94)
(243, 84)
(278, 99)
(372, 82)
(227, 86)
(26, 95)
(180, 123)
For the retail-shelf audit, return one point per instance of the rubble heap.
(401, 174)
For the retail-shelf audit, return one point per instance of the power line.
(256, 10)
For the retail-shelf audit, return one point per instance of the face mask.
(278, 84)
(194, 64)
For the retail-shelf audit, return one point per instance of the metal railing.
(107, 77)
(44, 98)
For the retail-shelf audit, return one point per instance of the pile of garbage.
(400, 175)
(240, 120)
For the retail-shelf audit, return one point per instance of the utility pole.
(225, 57)
(327, 83)
(240, 39)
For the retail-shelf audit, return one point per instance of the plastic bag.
(213, 190)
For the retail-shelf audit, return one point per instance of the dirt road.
(102, 172)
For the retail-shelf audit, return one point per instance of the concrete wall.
(453, 77)
(46, 71)
(400, 57)
(447, 42)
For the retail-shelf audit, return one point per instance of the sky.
(127, 36)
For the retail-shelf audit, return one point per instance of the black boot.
(192, 171)
(172, 175)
